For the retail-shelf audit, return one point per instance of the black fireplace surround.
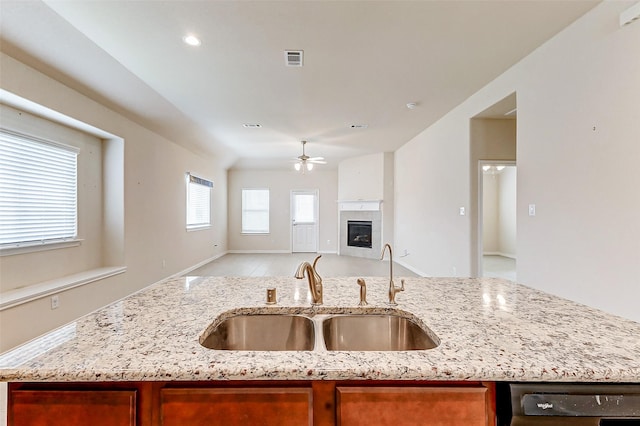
(359, 233)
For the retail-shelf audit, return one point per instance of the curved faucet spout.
(392, 287)
(387, 246)
(315, 282)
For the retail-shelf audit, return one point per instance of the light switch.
(532, 209)
(462, 211)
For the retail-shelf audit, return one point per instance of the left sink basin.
(264, 332)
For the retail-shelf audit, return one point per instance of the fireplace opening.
(359, 233)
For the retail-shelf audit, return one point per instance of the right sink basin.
(375, 333)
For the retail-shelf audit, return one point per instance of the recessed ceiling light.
(252, 126)
(191, 40)
(412, 105)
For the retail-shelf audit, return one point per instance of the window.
(38, 191)
(198, 202)
(255, 211)
(304, 208)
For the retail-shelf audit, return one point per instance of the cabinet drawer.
(55, 407)
(241, 406)
(403, 406)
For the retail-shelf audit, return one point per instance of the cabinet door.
(242, 406)
(404, 406)
(95, 408)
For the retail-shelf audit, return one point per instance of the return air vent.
(293, 58)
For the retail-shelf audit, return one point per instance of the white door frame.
(479, 248)
(316, 194)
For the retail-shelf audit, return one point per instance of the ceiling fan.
(304, 162)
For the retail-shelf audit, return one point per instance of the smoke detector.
(293, 58)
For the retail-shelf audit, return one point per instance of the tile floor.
(499, 267)
(329, 265)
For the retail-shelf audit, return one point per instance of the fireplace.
(359, 233)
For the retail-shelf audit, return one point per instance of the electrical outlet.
(55, 302)
(532, 209)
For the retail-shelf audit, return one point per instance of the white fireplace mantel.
(359, 205)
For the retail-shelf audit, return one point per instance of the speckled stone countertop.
(489, 330)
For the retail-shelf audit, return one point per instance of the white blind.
(198, 202)
(38, 191)
(255, 211)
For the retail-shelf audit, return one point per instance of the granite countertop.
(489, 330)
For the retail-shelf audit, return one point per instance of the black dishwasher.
(557, 404)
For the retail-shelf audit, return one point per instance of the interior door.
(304, 221)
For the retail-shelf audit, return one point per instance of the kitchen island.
(489, 330)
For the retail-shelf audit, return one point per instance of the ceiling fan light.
(297, 166)
(309, 166)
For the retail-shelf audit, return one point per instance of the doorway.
(304, 221)
(493, 142)
(497, 222)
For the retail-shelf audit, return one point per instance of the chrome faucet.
(315, 282)
(392, 287)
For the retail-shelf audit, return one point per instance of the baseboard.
(328, 252)
(259, 251)
(499, 253)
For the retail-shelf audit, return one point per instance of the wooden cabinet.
(281, 403)
(405, 406)
(82, 407)
(231, 407)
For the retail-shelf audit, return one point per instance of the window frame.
(245, 231)
(64, 239)
(190, 180)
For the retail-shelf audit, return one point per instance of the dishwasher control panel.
(597, 404)
(593, 405)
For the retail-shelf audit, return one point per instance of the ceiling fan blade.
(315, 159)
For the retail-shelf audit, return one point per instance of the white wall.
(499, 213)
(490, 219)
(578, 131)
(507, 224)
(280, 184)
(362, 178)
(154, 212)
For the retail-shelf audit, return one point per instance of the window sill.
(22, 295)
(31, 248)
(198, 228)
(254, 233)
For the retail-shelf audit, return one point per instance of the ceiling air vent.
(293, 58)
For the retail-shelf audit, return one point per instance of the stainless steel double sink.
(319, 332)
